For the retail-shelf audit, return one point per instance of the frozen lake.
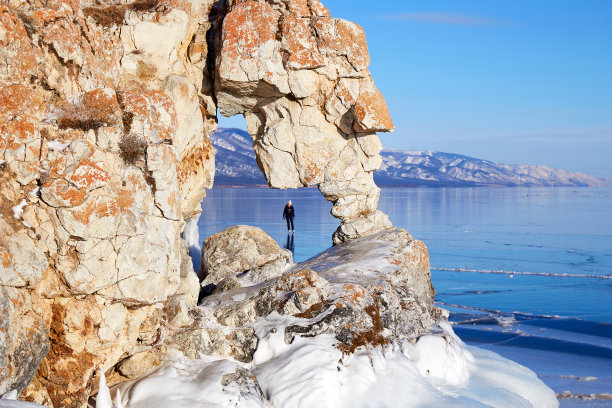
(526, 272)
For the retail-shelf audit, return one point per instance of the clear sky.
(513, 81)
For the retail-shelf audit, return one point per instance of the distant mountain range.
(236, 165)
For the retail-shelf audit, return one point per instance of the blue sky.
(514, 81)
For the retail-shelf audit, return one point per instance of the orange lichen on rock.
(297, 280)
(68, 194)
(313, 166)
(125, 200)
(88, 176)
(15, 99)
(6, 258)
(318, 9)
(342, 38)
(15, 47)
(70, 189)
(163, 114)
(246, 27)
(298, 8)
(372, 113)
(355, 294)
(195, 162)
(155, 110)
(64, 373)
(300, 45)
(16, 134)
(65, 37)
(135, 103)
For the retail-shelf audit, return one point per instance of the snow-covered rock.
(352, 327)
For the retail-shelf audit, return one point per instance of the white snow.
(186, 384)
(57, 145)
(9, 400)
(103, 399)
(191, 234)
(437, 370)
(11, 395)
(33, 195)
(18, 209)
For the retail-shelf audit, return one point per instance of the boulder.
(371, 291)
(242, 256)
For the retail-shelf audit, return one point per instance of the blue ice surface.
(525, 272)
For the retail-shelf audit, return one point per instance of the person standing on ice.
(288, 214)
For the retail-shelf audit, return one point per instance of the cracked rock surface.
(105, 118)
(301, 80)
(371, 291)
(106, 112)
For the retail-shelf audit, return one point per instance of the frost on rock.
(352, 327)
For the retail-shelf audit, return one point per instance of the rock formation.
(301, 80)
(105, 116)
(242, 256)
(371, 291)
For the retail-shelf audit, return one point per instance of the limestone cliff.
(105, 117)
(106, 109)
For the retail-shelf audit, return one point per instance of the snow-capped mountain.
(236, 165)
(234, 158)
(448, 169)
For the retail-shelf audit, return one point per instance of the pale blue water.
(526, 272)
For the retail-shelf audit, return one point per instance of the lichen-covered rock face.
(241, 256)
(105, 116)
(301, 80)
(106, 112)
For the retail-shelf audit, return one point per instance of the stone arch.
(301, 80)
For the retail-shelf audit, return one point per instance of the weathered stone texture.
(23, 338)
(242, 256)
(105, 115)
(370, 291)
(105, 118)
(301, 80)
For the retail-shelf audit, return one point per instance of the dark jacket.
(288, 212)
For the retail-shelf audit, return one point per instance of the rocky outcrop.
(106, 112)
(353, 327)
(368, 292)
(301, 80)
(241, 256)
(105, 117)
